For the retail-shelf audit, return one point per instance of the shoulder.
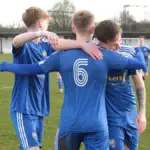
(127, 50)
(70, 53)
(146, 46)
(72, 50)
(126, 47)
(109, 54)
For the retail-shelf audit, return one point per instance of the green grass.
(8, 138)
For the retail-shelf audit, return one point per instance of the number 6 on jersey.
(80, 74)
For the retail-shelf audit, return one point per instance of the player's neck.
(83, 37)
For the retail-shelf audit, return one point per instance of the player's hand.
(141, 122)
(61, 37)
(92, 50)
(51, 37)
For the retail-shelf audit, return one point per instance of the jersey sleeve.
(17, 51)
(130, 53)
(51, 63)
(117, 61)
(21, 69)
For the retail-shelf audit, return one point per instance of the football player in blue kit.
(146, 52)
(59, 78)
(123, 121)
(85, 84)
(59, 82)
(30, 97)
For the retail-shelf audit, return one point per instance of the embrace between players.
(99, 106)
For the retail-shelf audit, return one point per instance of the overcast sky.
(11, 10)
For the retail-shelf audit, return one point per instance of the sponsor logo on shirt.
(115, 78)
(118, 78)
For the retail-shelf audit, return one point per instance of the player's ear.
(92, 29)
(40, 23)
(73, 29)
(101, 44)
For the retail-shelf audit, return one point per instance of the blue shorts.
(120, 136)
(29, 129)
(73, 140)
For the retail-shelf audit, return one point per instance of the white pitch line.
(5, 87)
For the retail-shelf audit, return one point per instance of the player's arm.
(90, 49)
(141, 96)
(58, 44)
(23, 38)
(50, 64)
(117, 61)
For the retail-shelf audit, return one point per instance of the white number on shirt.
(80, 74)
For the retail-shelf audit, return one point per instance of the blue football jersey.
(120, 98)
(31, 93)
(84, 80)
(146, 50)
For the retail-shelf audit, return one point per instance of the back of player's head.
(32, 15)
(107, 30)
(83, 21)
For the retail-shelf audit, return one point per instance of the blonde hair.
(82, 19)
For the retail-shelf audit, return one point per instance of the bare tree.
(127, 21)
(126, 18)
(61, 14)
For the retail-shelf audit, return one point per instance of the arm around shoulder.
(22, 38)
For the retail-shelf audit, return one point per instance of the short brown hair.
(32, 15)
(82, 19)
(107, 30)
(143, 37)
